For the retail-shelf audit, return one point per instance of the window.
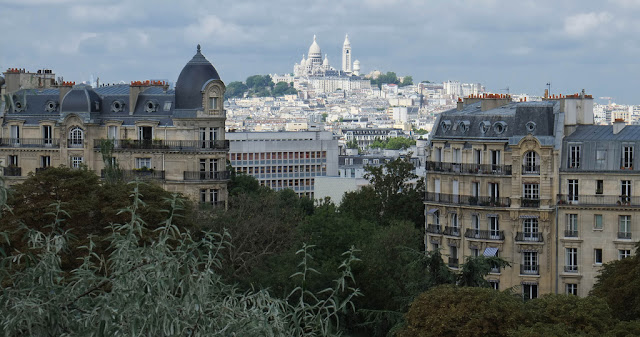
(571, 229)
(601, 157)
(530, 263)
(530, 230)
(597, 221)
(76, 162)
(436, 218)
(571, 260)
(494, 228)
(143, 163)
(365, 161)
(531, 163)
(574, 156)
(213, 103)
(475, 223)
(475, 189)
(624, 226)
(438, 154)
(456, 158)
(531, 191)
(76, 136)
(454, 221)
(475, 252)
(145, 133)
(477, 156)
(455, 191)
(627, 157)
(573, 191)
(494, 191)
(435, 247)
(624, 253)
(572, 289)
(12, 160)
(625, 188)
(47, 134)
(167, 106)
(15, 134)
(599, 186)
(494, 284)
(209, 196)
(529, 291)
(597, 256)
(112, 132)
(45, 161)
(495, 159)
(208, 136)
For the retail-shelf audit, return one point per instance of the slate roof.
(604, 132)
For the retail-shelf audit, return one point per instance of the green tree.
(399, 143)
(618, 284)
(235, 89)
(474, 270)
(407, 80)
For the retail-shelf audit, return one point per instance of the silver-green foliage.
(167, 286)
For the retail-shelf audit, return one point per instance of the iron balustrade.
(569, 233)
(484, 234)
(598, 200)
(467, 199)
(179, 145)
(451, 231)
(29, 142)
(529, 269)
(571, 269)
(13, 171)
(528, 202)
(206, 175)
(530, 169)
(624, 235)
(434, 229)
(453, 262)
(437, 166)
(529, 237)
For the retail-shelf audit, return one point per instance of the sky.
(521, 45)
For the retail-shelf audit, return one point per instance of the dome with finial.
(346, 43)
(314, 50)
(326, 60)
(192, 78)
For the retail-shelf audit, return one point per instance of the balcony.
(467, 200)
(169, 145)
(484, 234)
(598, 200)
(451, 231)
(527, 202)
(529, 269)
(529, 237)
(13, 171)
(531, 169)
(621, 235)
(434, 229)
(436, 166)
(453, 262)
(570, 233)
(29, 142)
(139, 174)
(570, 269)
(206, 175)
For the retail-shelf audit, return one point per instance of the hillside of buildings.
(259, 86)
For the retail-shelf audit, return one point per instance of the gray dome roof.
(191, 80)
(81, 98)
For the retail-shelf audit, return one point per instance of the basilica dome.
(314, 50)
(192, 78)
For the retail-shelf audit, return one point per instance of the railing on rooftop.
(436, 166)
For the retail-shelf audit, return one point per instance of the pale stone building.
(173, 137)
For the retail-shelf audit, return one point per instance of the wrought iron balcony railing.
(171, 145)
(484, 234)
(451, 231)
(206, 175)
(29, 142)
(434, 229)
(598, 200)
(436, 166)
(467, 200)
(529, 237)
(529, 269)
(13, 171)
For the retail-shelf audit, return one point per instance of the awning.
(490, 251)
(492, 215)
(529, 217)
(433, 210)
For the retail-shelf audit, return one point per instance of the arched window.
(531, 163)
(76, 137)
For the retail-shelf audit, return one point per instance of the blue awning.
(433, 210)
(490, 251)
(528, 217)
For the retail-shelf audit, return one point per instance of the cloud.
(581, 25)
(211, 28)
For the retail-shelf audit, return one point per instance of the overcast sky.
(590, 44)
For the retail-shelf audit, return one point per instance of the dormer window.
(117, 106)
(499, 127)
(151, 106)
(51, 106)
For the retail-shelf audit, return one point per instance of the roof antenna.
(198, 47)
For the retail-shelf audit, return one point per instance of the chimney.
(460, 104)
(64, 88)
(618, 125)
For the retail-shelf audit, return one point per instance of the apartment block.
(174, 137)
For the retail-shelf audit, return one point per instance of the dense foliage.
(259, 86)
(391, 78)
(395, 143)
